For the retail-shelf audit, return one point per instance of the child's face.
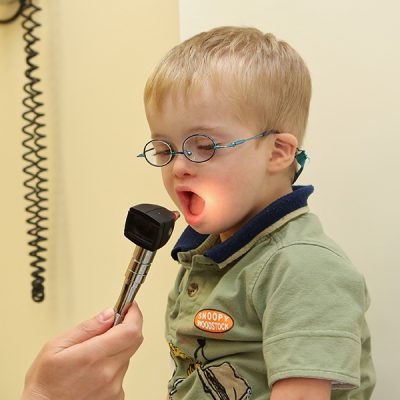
(221, 194)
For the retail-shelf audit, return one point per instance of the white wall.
(352, 50)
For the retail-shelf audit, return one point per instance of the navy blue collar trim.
(190, 239)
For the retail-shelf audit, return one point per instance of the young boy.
(265, 305)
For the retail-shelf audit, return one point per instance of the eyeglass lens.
(158, 153)
(199, 148)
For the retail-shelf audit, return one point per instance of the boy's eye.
(160, 148)
(158, 152)
(162, 152)
(206, 146)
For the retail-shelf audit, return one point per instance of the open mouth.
(191, 202)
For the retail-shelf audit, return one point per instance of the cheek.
(236, 187)
(235, 179)
(222, 192)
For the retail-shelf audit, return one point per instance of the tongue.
(196, 204)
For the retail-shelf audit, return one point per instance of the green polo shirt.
(278, 299)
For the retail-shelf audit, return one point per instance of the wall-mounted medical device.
(34, 141)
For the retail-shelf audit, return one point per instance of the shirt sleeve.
(311, 302)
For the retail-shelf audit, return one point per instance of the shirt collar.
(270, 218)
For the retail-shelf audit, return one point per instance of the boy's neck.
(273, 195)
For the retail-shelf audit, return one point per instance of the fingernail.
(106, 315)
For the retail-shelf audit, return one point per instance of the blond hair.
(256, 72)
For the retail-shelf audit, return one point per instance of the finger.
(133, 316)
(125, 337)
(85, 330)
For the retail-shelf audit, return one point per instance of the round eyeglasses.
(197, 148)
(200, 148)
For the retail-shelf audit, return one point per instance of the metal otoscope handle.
(148, 226)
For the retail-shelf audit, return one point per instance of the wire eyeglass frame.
(189, 153)
(210, 147)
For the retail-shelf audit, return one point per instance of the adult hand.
(87, 363)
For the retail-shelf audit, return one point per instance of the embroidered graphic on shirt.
(221, 382)
(178, 353)
(213, 321)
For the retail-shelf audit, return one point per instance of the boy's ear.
(283, 152)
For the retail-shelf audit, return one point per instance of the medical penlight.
(148, 226)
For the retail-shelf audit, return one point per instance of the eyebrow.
(215, 130)
(203, 129)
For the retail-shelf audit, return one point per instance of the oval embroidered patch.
(213, 321)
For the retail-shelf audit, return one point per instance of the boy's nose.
(181, 166)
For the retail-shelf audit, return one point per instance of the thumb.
(85, 330)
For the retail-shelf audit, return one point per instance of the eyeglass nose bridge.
(186, 153)
(180, 163)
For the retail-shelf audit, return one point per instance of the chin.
(201, 229)
(206, 229)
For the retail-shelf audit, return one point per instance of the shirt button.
(192, 289)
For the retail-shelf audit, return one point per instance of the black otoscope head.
(149, 226)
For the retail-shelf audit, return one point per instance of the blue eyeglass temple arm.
(237, 142)
(301, 156)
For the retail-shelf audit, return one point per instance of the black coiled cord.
(34, 158)
(15, 15)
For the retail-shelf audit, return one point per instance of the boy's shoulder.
(306, 232)
(300, 251)
(300, 244)
(303, 267)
